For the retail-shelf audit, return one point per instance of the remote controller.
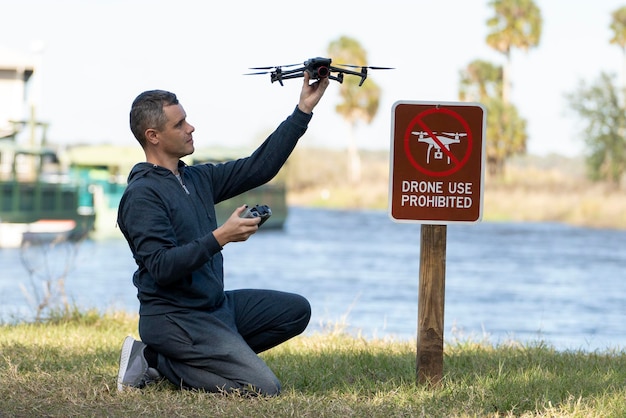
(258, 211)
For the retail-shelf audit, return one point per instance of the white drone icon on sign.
(445, 139)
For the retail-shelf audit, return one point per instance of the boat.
(38, 201)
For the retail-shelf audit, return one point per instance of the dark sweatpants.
(217, 350)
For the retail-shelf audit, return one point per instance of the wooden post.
(431, 304)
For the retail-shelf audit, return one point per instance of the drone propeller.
(273, 67)
(371, 67)
(276, 72)
(261, 72)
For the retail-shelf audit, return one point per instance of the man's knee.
(269, 387)
(304, 314)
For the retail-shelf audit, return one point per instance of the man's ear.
(152, 136)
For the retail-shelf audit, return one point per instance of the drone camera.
(319, 72)
(323, 72)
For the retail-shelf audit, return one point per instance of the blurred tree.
(599, 104)
(359, 103)
(516, 24)
(506, 134)
(618, 27)
(480, 80)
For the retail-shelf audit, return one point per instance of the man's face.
(176, 139)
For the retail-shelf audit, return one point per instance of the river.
(505, 282)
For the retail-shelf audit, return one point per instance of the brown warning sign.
(437, 162)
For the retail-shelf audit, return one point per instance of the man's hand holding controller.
(234, 230)
(258, 211)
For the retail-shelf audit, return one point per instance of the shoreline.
(534, 189)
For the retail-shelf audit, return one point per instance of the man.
(193, 332)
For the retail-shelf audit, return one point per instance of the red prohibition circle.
(419, 120)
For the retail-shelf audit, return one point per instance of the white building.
(15, 71)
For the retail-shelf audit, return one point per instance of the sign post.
(437, 174)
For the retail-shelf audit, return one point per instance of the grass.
(67, 368)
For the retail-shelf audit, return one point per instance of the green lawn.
(68, 368)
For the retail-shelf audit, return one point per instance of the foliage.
(599, 106)
(480, 80)
(69, 369)
(516, 24)
(506, 129)
(618, 27)
(359, 102)
(506, 133)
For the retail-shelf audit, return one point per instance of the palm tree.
(480, 80)
(506, 134)
(516, 24)
(359, 103)
(618, 26)
(506, 131)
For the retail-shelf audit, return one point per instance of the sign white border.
(482, 162)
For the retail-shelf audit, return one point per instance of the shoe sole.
(127, 347)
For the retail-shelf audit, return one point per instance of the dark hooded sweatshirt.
(169, 226)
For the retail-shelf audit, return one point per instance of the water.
(523, 282)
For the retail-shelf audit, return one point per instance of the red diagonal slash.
(438, 142)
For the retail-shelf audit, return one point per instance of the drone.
(317, 68)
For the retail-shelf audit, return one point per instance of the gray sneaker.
(134, 371)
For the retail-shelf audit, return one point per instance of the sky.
(94, 57)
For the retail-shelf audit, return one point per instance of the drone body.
(317, 68)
